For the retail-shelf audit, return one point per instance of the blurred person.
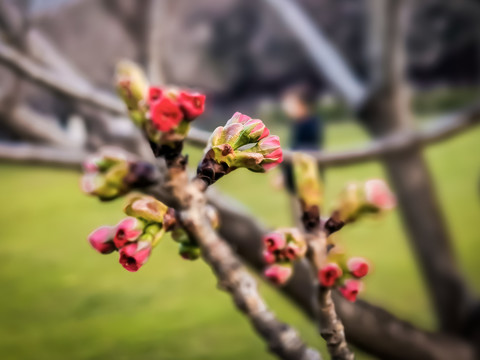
(306, 126)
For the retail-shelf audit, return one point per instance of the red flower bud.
(350, 289)
(274, 241)
(278, 274)
(165, 114)
(358, 267)
(135, 255)
(378, 194)
(329, 274)
(101, 239)
(154, 94)
(128, 230)
(192, 104)
(268, 257)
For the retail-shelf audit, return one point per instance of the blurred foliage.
(62, 300)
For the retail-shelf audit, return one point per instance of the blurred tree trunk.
(388, 111)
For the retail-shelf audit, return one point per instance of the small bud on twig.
(350, 289)
(329, 274)
(101, 239)
(358, 267)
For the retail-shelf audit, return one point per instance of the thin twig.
(330, 326)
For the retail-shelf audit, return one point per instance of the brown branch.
(80, 91)
(330, 326)
(30, 124)
(367, 326)
(447, 126)
(41, 155)
(190, 202)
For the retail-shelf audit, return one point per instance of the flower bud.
(128, 230)
(154, 94)
(165, 114)
(328, 274)
(274, 241)
(192, 104)
(358, 267)
(350, 289)
(268, 257)
(278, 274)
(147, 208)
(101, 239)
(189, 251)
(358, 199)
(113, 172)
(132, 87)
(242, 143)
(307, 180)
(296, 247)
(379, 195)
(134, 256)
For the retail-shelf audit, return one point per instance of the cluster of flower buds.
(163, 113)
(281, 249)
(242, 142)
(187, 247)
(344, 275)
(113, 172)
(372, 196)
(135, 236)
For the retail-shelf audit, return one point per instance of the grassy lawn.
(61, 300)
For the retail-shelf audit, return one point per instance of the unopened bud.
(278, 274)
(328, 274)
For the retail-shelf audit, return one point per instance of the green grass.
(61, 300)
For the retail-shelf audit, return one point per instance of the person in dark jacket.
(306, 127)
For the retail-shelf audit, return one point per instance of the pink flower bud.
(154, 94)
(90, 165)
(269, 144)
(192, 104)
(165, 114)
(101, 239)
(278, 274)
(256, 130)
(378, 194)
(134, 256)
(268, 257)
(272, 152)
(358, 267)
(329, 274)
(238, 117)
(274, 241)
(128, 230)
(350, 289)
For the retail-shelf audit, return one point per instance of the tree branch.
(41, 155)
(190, 203)
(80, 91)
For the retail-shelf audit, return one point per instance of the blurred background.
(61, 300)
